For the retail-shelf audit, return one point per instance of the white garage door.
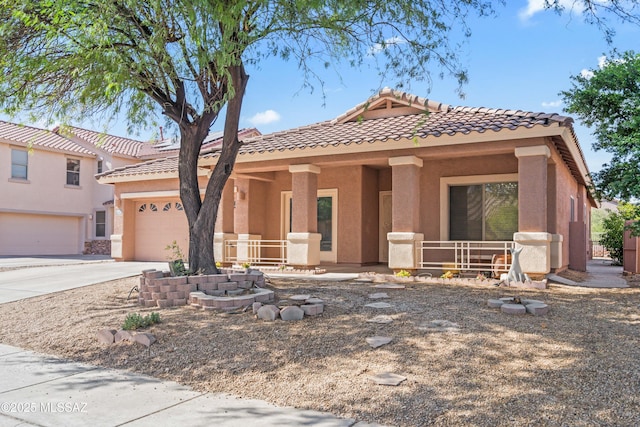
(28, 234)
(158, 223)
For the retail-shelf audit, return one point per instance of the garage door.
(158, 223)
(28, 234)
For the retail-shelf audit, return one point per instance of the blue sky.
(520, 59)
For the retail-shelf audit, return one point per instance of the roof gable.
(390, 103)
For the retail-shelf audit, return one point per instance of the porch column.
(532, 233)
(405, 212)
(224, 222)
(303, 242)
(123, 237)
(241, 219)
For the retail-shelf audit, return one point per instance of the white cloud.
(379, 47)
(535, 6)
(602, 62)
(264, 118)
(552, 104)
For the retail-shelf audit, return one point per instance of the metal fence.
(256, 252)
(465, 256)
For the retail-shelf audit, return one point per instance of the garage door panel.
(158, 224)
(28, 234)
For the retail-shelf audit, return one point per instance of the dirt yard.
(578, 365)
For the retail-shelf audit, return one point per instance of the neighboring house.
(50, 202)
(398, 179)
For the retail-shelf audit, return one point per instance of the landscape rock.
(144, 338)
(312, 309)
(378, 341)
(291, 313)
(495, 303)
(513, 309)
(378, 295)
(387, 378)
(106, 336)
(378, 305)
(256, 306)
(123, 335)
(382, 319)
(267, 313)
(537, 309)
(389, 286)
(301, 298)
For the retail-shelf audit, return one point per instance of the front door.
(327, 222)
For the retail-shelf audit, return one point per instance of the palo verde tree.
(185, 59)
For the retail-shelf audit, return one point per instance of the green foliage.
(614, 228)
(135, 321)
(608, 100)
(403, 273)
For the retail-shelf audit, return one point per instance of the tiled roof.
(161, 165)
(109, 143)
(442, 120)
(39, 138)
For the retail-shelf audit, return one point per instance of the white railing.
(256, 252)
(465, 256)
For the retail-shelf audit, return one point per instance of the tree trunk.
(201, 215)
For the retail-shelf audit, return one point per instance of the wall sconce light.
(241, 195)
(90, 216)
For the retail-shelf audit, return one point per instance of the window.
(99, 166)
(483, 211)
(73, 172)
(101, 224)
(19, 160)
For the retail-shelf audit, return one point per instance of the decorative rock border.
(510, 305)
(159, 289)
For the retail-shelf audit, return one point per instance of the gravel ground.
(577, 366)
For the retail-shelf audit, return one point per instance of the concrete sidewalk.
(38, 390)
(601, 274)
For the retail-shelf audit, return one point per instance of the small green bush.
(136, 321)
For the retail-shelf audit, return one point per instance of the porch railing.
(256, 252)
(465, 256)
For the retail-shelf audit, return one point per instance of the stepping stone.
(537, 309)
(531, 301)
(445, 325)
(314, 300)
(495, 303)
(382, 319)
(378, 295)
(291, 313)
(256, 306)
(363, 280)
(507, 299)
(389, 286)
(312, 309)
(513, 309)
(387, 378)
(377, 341)
(301, 298)
(379, 305)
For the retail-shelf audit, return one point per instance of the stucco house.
(50, 202)
(398, 179)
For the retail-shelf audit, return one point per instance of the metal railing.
(465, 256)
(256, 252)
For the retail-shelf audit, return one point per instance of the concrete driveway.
(29, 277)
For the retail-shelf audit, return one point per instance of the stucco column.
(123, 237)
(224, 222)
(532, 233)
(303, 243)
(405, 212)
(241, 220)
